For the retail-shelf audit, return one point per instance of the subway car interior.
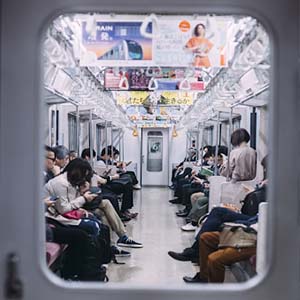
(155, 148)
(151, 102)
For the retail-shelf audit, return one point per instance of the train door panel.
(155, 157)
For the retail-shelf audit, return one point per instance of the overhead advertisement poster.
(187, 42)
(115, 43)
(196, 43)
(139, 78)
(161, 98)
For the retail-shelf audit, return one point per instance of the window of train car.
(205, 77)
(157, 164)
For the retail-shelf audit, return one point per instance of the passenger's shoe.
(195, 279)
(136, 187)
(179, 256)
(119, 252)
(175, 201)
(182, 214)
(188, 227)
(124, 218)
(125, 241)
(130, 214)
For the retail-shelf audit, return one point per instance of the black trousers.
(123, 186)
(187, 191)
(107, 193)
(131, 175)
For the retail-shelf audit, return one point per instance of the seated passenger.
(122, 169)
(214, 260)
(242, 159)
(72, 154)
(50, 171)
(112, 184)
(62, 156)
(216, 217)
(66, 188)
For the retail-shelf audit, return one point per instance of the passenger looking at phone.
(72, 189)
(119, 185)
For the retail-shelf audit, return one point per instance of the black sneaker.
(127, 242)
(119, 252)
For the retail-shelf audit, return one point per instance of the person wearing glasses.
(50, 170)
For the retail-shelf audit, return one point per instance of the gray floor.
(158, 228)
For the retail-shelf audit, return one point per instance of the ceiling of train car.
(148, 71)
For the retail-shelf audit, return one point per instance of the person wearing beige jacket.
(242, 159)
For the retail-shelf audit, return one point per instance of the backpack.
(251, 202)
(103, 240)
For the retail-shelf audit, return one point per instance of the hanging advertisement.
(139, 79)
(160, 117)
(199, 42)
(111, 43)
(154, 98)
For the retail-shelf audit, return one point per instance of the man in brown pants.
(213, 260)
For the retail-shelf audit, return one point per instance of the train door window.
(236, 123)
(222, 46)
(72, 125)
(155, 151)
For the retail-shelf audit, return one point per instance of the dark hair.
(86, 152)
(239, 136)
(61, 151)
(109, 152)
(78, 171)
(116, 152)
(196, 29)
(50, 149)
(209, 149)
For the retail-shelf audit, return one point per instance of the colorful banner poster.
(198, 43)
(187, 42)
(161, 116)
(138, 79)
(156, 98)
(112, 43)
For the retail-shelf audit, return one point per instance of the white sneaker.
(188, 227)
(136, 187)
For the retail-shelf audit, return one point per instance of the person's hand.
(48, 202)
(116, 176)
(88, 196)
(86, 213)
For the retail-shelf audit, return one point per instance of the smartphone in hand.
(95, 190)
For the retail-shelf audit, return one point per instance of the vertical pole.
(217, 144)
(253, 117)
(123, 150)
(229, 142)
(78, 130)
(91, 142)
(106, 145)
(111, 136)
(202, 144)
(197, 141)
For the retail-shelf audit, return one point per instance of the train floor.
(158, 228)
